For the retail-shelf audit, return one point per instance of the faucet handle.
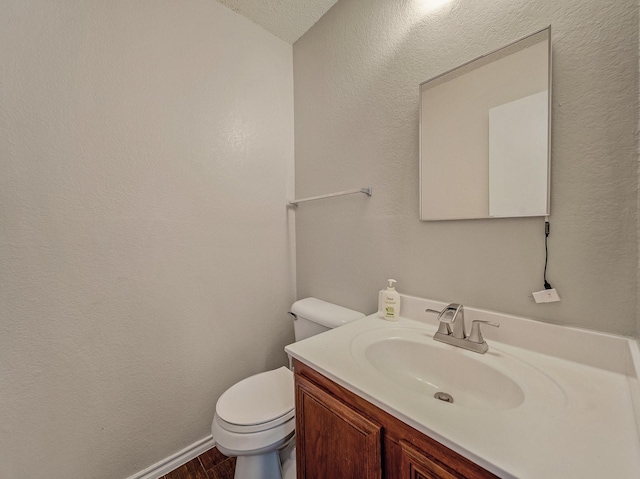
(476, 334)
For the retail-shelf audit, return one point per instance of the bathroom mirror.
(485, 135)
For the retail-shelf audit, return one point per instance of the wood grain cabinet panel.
(333, 440)
(417, 465)
(339, 435)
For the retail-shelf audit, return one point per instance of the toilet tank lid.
(322, 312)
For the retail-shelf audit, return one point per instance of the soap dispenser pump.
(391, 302)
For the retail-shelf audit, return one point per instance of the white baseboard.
(176, 460)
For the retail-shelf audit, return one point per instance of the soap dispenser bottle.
(391, 302)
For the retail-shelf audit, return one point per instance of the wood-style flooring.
(209, 465)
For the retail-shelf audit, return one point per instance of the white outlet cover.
(546, 296)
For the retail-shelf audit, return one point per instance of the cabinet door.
(333, 441)
(417, 465)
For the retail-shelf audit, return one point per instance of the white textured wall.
(356, 118)
(146, 150)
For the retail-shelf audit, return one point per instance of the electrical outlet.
(546, 296)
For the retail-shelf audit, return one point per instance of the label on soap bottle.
(391, 307)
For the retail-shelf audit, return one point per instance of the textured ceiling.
(287, 19)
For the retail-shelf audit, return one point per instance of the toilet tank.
(313, 316)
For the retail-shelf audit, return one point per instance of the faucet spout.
(453, 316)
(451, 329)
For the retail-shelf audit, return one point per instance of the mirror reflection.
(484, 135)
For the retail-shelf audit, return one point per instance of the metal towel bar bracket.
(367, 191)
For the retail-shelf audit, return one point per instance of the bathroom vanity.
(544, 402)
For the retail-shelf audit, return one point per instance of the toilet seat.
(258, 403)
(232, 443)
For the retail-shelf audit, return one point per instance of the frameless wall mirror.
(485, 135)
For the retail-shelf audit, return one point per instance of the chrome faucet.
(451, 329)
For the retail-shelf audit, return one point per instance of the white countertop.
(581, 409)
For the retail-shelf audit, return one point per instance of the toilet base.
(276, 461)
(263, 467)
(259, 466)
(288, 461)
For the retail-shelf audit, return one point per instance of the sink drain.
(443, 397)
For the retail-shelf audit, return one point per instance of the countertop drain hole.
(443, 397)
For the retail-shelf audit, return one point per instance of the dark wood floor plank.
(191, 470)
(224, 470)
(211, 464)
(212, 458)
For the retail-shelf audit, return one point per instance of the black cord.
(547, 285)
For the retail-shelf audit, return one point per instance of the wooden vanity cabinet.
(339, 435)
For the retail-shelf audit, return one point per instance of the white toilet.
(255, 418)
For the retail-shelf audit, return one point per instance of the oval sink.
(411, 360)
(427, 370)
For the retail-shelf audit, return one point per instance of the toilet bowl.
(255, 418)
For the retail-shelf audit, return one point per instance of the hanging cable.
(547, 285)
(549, 293)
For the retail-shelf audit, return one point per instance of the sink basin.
(426, 369)
(413, 361)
